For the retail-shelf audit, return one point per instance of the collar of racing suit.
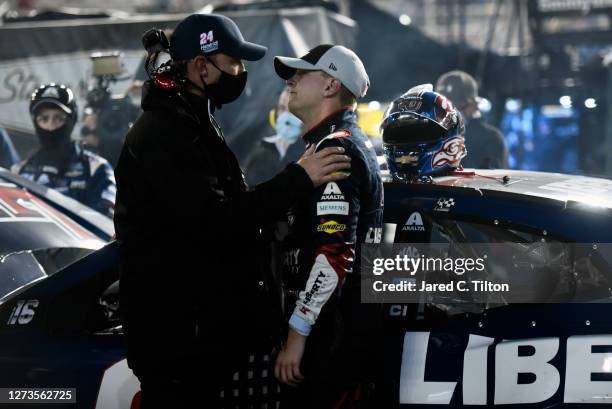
(341, 119)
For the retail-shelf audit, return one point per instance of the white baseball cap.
(336, 60)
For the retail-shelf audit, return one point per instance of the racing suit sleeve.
(101, 187)
(334, 211)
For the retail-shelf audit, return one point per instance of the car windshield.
(36, 240)
(538, 267)
(20, 268)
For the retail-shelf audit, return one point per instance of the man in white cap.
(330, 332)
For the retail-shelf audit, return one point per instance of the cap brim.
(250, 51)
(285, 67)
(48, 102)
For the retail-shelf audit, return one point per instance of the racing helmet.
(423, 134)
(54, 96)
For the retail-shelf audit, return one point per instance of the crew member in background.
(273, 153)
(61, 163)
(486, 146)
(331, 335)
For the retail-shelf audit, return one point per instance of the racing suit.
(320, 276)
(75, 172)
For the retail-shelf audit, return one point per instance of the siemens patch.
(341, 208)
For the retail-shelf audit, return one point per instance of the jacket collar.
(341, 119)
(182, 103)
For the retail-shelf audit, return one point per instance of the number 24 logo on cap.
(206, 38)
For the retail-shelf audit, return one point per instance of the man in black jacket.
(187, 226)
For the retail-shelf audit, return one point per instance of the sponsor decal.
(50, 92)
(332, 67)
(580, 371)
(332, 192)
(208, 43)
(331, 227)
(23, 312)
(414, 223)
(410, 104)
(73, 173)
(77, 184)
(291, 262)
(315, 288)
(407, 159)
(451, 153)
(341, 208)
(444, 204)
(50, 169)
(292, 257)
(374, 235)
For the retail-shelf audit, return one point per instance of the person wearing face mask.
(192, 296)
(61, 163)
(274, 153)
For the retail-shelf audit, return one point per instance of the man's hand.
(323, 166)
(287, 368)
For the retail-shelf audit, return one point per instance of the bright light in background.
(374, 105)
(405, 19)
(590, 103)
(513, 105)
(565, 101)
(484, 105)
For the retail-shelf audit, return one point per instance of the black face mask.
(57, 137)
(227, 89)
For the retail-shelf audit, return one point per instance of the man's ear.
(200, 65)
(332, 87)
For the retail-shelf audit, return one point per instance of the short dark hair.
(346, 96)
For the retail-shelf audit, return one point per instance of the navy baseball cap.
(210, 34)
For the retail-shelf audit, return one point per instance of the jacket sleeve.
(183, 183)
(334, 212)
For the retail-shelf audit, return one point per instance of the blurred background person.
(8, 155)
(107, 117)
(486, 146)
(61, 163)
(273, 153)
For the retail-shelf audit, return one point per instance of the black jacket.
(187, 229)
(264, 161)
(486, 146)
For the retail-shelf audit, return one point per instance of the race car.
(41, 232)
(456, 353)
(61, 329)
